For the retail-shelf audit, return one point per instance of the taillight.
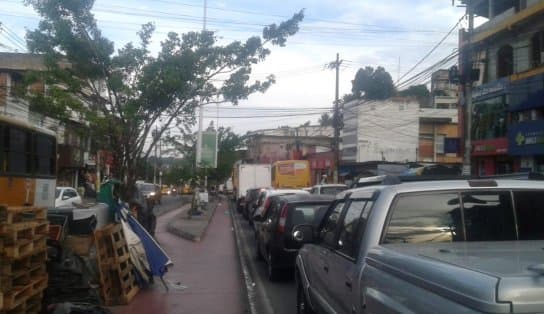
(283, 219)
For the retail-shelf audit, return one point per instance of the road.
(169, 203)
(270, 297)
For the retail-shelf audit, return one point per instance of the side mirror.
(304, 233)
(257, 217)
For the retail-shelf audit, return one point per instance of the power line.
(433, 49)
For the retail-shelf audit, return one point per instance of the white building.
(392, 130)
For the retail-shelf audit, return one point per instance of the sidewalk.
(206, 276)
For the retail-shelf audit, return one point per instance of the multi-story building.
(73, 143)
(268, 146)
(444, 93)
(506, 65)
(398, 130)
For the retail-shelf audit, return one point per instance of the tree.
(420, 92)
(325, 120)
(372, 84)
(228, 145)
(124, 95)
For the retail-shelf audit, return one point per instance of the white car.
(65, 196)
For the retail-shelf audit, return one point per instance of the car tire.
(272, 270)
(302, 304)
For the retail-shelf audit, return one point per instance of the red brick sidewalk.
(209, 270)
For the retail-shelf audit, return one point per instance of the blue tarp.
(157, 258)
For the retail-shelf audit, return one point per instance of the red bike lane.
(206, 276)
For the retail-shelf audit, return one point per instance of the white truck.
(249, 176)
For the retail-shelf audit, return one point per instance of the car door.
(265, 228)
(343, 262)
(318, 264)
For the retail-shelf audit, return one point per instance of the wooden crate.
(11, 215)
(32, 305)
(117, 282)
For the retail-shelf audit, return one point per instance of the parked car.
(250, 200)
(458, 246)
(65, 196)
(261, 205)
(274, 240)
(328, 189)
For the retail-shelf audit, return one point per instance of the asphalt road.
(269, 297)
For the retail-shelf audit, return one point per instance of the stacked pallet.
(117, 282)
(23, 255)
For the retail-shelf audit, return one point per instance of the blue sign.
(526, 138)
(451, 145)
(494, 88)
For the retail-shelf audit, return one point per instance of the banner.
(209, 150)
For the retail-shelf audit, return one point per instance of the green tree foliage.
(420, 92)
(325, 120)
(125, 94)
(372, 84)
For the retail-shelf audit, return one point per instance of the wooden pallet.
(18, 297)
(1, 301)
(32, 305)
(118, 285)
(11, 215)
(11, 233)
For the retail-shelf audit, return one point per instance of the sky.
(394, 34)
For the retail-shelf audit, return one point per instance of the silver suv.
(458, 246)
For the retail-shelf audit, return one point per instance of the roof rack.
(393, 180)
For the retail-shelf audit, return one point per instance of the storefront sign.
(490, 147)
(527, 138)
(491, 88)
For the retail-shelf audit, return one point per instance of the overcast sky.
(363, 32)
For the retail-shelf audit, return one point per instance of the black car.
(275, 243)
(252, 196)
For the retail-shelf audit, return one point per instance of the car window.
(330, 225)
(354, 219)
(70, 193)
(57, 192)
(489, 216)
(303, 213)
(432, 217)
(332, 190)
(530, 214)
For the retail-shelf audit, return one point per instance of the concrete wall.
(388, 130)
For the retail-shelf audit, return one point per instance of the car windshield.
(332, 190)
(146, 188)
(57, 192)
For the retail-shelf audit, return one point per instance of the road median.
(193, 227)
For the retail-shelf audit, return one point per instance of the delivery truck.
(249, 176)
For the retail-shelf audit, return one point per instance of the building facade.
(74, 157)
(398, 130)
(285, 143)
(507, 58)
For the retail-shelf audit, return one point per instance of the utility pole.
(155, 161)
(201, 107)
(467, 85)
(336, 116)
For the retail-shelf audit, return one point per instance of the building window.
(505, 61)
(439, 143)
(489, 120)
(537, 49)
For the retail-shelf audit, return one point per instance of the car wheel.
(302, 305)
(272, 270)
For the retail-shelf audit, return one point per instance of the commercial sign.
(494, 87)
(490, 147)
(209, 150)
(526, 138)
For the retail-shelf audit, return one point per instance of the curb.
(189, 236)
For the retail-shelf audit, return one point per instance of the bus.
(28, 164)
(291, 174)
